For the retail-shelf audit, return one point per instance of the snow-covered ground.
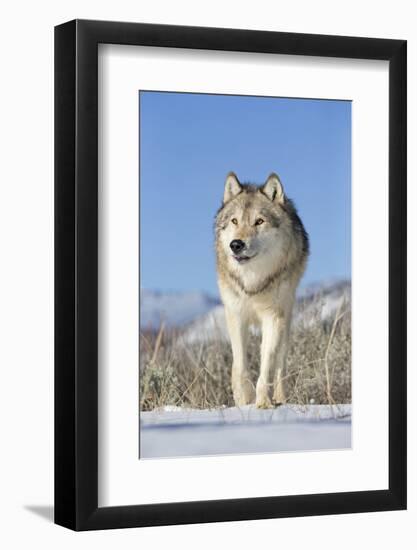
(173, 432)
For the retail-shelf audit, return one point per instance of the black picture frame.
(76, 272)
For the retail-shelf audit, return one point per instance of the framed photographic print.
(230, 253)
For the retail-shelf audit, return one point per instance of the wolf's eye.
(259, 221)
(234, 221)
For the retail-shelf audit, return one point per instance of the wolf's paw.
(279, 396)
(263, 401)
(243, 393)
(242, 400)
(276, 403)
(264, 404)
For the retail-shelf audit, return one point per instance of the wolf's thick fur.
(261, 249)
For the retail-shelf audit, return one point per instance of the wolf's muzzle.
(237, 246)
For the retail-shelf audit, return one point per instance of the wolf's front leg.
(243, 391)
(280, 395)
(274, 332)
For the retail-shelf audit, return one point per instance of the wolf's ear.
(273, 189)
(232, 187)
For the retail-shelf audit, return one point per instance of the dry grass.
(198, 375)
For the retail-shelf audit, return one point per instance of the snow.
(176, 431)
(209, 327)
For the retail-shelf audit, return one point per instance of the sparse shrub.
(198, 375)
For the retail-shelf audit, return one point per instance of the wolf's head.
(257, 227)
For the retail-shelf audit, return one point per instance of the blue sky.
(189, 142)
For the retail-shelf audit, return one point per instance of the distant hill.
(201, 316)
(317, 303)
(173, 308)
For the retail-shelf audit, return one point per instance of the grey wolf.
(261, 252)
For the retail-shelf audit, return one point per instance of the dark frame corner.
(76, 268)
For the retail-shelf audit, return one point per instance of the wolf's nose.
(237, 245)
